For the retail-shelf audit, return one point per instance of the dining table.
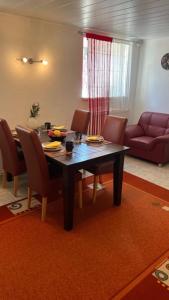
(83, 156)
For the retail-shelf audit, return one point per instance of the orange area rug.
(108, 247)
(153, 285)
(147, 186)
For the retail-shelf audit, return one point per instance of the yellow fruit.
(57, 132)
(53, 144)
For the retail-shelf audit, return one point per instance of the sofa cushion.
(142, 142)
(155, 131)
(154, 124)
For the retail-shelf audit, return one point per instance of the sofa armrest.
(161, 139)
(133, 131)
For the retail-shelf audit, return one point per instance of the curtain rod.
(115, 38)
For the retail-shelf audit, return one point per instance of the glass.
(47, 125)
(39, 131)
(78, 137)
(69, 147)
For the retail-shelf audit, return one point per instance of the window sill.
(119, 110)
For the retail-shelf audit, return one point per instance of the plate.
(94, 139)
(58, 148)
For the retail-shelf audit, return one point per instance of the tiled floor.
(138, 167)
(148, 171)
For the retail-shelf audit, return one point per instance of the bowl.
(56, 135)
(57, 138)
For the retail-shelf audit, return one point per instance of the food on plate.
(56, 133)
(94, 138)
(54, 144)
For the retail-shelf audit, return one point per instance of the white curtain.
(98, 68)
(120, 75)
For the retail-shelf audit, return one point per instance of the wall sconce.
(30, 60)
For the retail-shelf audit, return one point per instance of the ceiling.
(128, 18)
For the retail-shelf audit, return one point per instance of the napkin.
(54, 144)
(59, 127)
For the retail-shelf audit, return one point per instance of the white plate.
(51, 149)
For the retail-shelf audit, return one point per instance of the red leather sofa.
(149, 139)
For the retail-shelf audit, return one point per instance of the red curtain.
(98, 68)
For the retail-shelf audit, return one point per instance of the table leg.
(9, 177)
(118, 179)
(68, 194)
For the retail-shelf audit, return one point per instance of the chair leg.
(4, 180)
(15, 185)
(96, 178)
(80, 197)
(44, 205)
(100, 179)
(84, 172)
(29, 197)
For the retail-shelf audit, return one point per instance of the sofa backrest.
(154, 124)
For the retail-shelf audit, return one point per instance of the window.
(119, 70)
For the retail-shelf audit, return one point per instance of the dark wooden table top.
(83, 152)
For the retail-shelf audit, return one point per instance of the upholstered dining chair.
(39, 177)
(80, 121)
(12, 159)
(113, 131)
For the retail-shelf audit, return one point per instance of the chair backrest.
(37, 168)
(8, 149)
(80, 121)
(114, 129)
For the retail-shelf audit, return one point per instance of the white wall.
(153, 81)
(56, 87)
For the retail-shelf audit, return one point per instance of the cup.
(69, 146)
(39, 131)
(78, 135)
(47, 125)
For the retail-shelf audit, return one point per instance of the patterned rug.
(153, 283)
(21, 206)
(16, 205)
(11, 205)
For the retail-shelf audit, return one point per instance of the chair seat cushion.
(141, 142)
